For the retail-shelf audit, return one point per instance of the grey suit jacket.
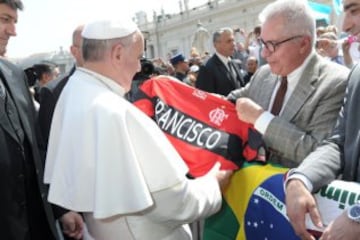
(340, 153)
(309, 114)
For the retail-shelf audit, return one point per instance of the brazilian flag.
(253, 207)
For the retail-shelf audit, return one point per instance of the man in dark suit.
(338, 156)
(25, 212)
(72, 223)
(219, 74)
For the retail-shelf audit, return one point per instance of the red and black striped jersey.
(204, 128)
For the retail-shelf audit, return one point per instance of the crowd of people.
(76, 150)
(243, 50)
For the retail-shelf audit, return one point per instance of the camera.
(147, 69)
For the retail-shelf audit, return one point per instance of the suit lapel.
(225, 71)
(20, 101)
(267, 87)
(303, 90)
(4, 121)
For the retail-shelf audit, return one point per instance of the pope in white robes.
(109, 161)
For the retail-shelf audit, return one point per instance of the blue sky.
(47, 25)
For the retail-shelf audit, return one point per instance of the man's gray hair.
(217, 34)
(297, 15)
(95, 50)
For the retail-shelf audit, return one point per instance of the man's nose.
(347, 23)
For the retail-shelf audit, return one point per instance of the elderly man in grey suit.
(292, 101)
(338, 156)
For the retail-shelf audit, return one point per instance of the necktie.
(280, 96)
(232, 73)
(263, 154)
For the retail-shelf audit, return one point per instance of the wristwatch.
(354, 212)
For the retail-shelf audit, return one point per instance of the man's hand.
(300, 201)
(324, 43)
(72, 224)
(223, 176)
(342, 228)
(247, 110)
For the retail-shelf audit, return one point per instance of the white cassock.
(111, 162)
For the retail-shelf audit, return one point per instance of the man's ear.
(117, 52)
(305, 44)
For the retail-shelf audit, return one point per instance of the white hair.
(297, 16)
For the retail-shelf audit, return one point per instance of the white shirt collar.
(293, 79)
(111, 84)
(224, 59)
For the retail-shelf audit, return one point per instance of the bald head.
(76, 46)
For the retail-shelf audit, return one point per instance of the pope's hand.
(223, 176)
(73, 224)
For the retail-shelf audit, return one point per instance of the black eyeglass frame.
(271, 45)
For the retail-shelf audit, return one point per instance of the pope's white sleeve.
(188, 201)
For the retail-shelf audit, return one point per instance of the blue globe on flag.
(265, 216)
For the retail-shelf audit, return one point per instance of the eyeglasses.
(271, 46)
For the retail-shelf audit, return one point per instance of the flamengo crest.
(217, 116)
(200, 94)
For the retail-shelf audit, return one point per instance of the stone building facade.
(168, 34)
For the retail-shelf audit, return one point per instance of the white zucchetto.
(109, 29)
